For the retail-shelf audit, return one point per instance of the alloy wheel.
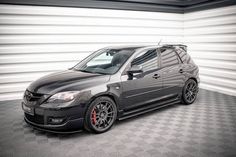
(102, 115)
(191, 91)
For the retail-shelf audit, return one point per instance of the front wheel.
(190, 91)
(101, 115)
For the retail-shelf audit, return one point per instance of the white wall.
(211, 39)
(36, 40)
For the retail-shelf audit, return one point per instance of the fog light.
(56, 120)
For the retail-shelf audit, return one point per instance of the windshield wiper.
(84, 71)
(93, 72)
(100, 73)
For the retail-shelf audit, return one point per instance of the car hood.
(68, 80)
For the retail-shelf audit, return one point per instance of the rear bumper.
(198, 80)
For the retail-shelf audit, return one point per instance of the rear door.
(172, 72)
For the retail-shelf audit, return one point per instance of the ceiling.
(173, 6)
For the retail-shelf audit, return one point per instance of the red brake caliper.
(94, 116)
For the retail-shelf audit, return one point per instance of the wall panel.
(211, 39)
(38, 40)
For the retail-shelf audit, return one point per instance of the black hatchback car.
(112, 83)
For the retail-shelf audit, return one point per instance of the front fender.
(111, 90)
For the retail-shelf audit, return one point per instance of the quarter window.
(184, 56)
(147, 59)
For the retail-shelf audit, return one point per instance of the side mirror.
(135, 69)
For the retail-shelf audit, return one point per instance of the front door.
(142, 87)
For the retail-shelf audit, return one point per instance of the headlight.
(63, 97)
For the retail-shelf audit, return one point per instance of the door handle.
(181, 70)
(156, 76)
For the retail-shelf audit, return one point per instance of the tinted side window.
(168, 57)
(184, 56)
(148, 60)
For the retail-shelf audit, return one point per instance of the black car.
(112, 83)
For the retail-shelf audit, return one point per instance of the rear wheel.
(101, 115)
(190, 91)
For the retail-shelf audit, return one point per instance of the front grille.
(38, 119)
(30, 96)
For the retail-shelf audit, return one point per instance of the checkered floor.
(205, 128)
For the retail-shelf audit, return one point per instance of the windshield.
(105, 61)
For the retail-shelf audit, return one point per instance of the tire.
(190, 91)
(100, 115)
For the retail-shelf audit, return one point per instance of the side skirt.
(147, 108)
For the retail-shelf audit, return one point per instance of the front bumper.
(69, 127)
(72, 119)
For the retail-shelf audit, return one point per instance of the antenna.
(159, 42)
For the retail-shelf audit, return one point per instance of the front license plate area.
(28, 110)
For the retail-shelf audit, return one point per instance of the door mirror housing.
(135, 69)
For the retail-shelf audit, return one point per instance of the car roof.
(133, 47)
(145, 46)
(125, 47)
